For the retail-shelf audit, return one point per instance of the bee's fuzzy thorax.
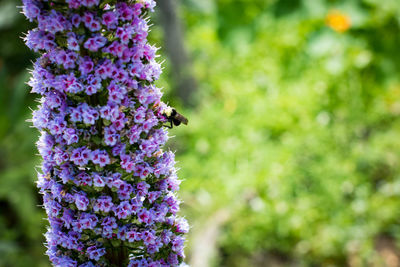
(168, 111)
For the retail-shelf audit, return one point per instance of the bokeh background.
(292, 153)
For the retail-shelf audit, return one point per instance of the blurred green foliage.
(296, 135)
(21, 220)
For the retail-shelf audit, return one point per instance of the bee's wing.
(181, 118)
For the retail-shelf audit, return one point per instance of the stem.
(117, 256)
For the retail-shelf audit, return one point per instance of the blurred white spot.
(347, 187)
(323, 118)
(359, 206)
(363, 59)
(353, 246)
(303, 247)
(320, 87)
(203, 197)
(335, 65)
(281, 208)
(202, 146)
(257, 204)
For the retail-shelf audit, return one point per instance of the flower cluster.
(108, 187)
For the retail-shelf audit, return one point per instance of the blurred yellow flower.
(338, 21)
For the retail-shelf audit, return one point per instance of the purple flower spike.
(108, 188)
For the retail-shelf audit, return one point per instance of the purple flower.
(142, 188)
(70, 136)
(54, 22)
(65, 261)
(57, 126)
(177, 243)
(95, 253)
(124, 191)
(73, 43)
(87, 264)
(111, 137)
(81, 201)
(144, 216)
(76, 20)
(67, 218)
(127, 163)
(136, 203)
(95, 43)
(94, 84)
(103, 203)
(68, 84)
(31, 9)
(80, 156)
(115, 48)
(86, 65)
(109, 112)
(52, 208)
(153, 196)
(88, 113)
(40, 40)
(110, 20)
(148, 147)
(67, 59)
(88, 221)
(150, 4)
(124, 34)
(134, 134)
(109, 222)
(60, 156)
(116, 92)
(132, 235)
(100, 157)
(98, 180)
(73, 3)
(90, 3)
(148, 237)
(140, 115)
(182, 226)
(173, 259)
(123, 210)
(55, 99)
(91, 22)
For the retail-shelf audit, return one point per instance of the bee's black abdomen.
(176, 122)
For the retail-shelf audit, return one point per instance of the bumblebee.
(173, 117)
